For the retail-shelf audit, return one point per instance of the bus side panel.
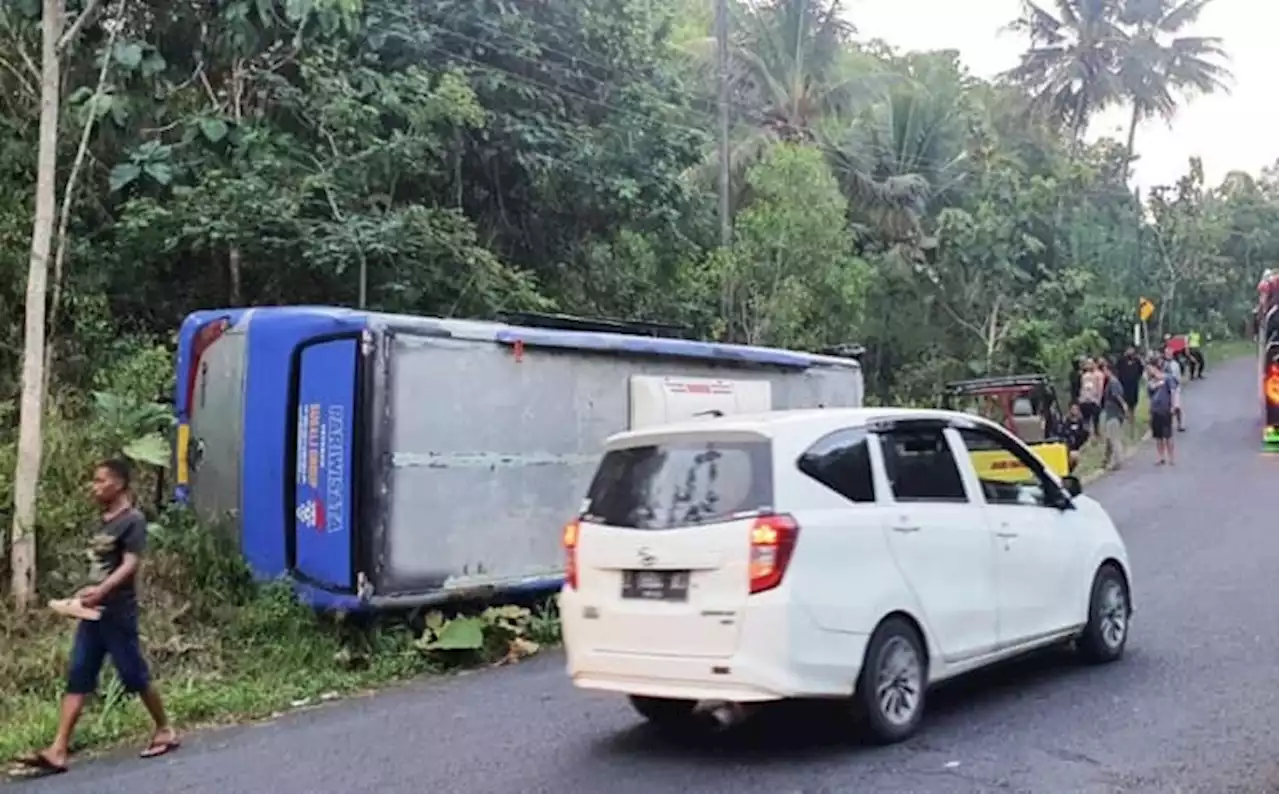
(490, 452)
(326, 413)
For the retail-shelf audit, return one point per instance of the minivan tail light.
(773, 539)
(570, 540)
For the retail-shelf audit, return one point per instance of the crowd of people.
(1105, 396)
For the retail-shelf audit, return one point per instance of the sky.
(1236, 131)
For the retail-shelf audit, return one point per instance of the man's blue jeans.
(114, 635)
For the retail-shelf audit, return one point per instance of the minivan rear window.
(680, 484)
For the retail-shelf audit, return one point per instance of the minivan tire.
(889, 699)
(666, 714)
(1106, 631)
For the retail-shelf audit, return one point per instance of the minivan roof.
(771, 423)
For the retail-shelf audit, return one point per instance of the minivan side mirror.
(1072, 485)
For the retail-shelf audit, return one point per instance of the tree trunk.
(1133, 134)
(69, 196)
(233, 275)
(1165, 313)
(26, 476)
(993, 326)
(1079, 121)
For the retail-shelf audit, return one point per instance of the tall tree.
(1158, 67)
(1187, 239)
(26, 476)
(785, 76)
(911, 139)
(1070, 68)
(791, 82)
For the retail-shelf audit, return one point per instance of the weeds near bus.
(501, 634)
(136, 429)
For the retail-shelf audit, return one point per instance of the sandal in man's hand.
(72, 608)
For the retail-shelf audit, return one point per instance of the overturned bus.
(383, 461)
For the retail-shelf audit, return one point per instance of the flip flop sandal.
(35, 765)
(72, 608)
(159, 747)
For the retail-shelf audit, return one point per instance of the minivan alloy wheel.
(899, 681)
(1113, 614)
(1110, 615)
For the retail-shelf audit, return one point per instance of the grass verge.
(224, 650)
(1218, 352)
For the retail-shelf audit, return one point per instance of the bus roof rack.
(608, 325)
(844, 350)
(981, 385)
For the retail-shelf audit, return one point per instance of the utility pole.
(722, 81)
(364, 284)
(1139, 269)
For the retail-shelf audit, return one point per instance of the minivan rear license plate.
(656, 585)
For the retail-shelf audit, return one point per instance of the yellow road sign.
(1145, 309)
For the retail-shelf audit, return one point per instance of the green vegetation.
(460, 159)
(1217, 352)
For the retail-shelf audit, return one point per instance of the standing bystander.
(1115, 412)
(1160, 404)
(1091, 382)
(1195, 356)
(1173, 370)
(1073, 381)
(1129, 370)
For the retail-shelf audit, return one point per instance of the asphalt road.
(1192, 707)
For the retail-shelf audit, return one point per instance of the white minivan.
(832, 553)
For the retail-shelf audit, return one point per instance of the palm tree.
(1238, 184)
(792, 80)
(911, 141)
(1159, 67)
(784, 75)
(1071, 67)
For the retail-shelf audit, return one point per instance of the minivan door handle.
(906, 529)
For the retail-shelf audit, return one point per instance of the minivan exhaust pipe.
(721, 715)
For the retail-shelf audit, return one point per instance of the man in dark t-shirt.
(116, 537)
(115, 553)
(1129, 371)
(1073, 380)
(1160, 402)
